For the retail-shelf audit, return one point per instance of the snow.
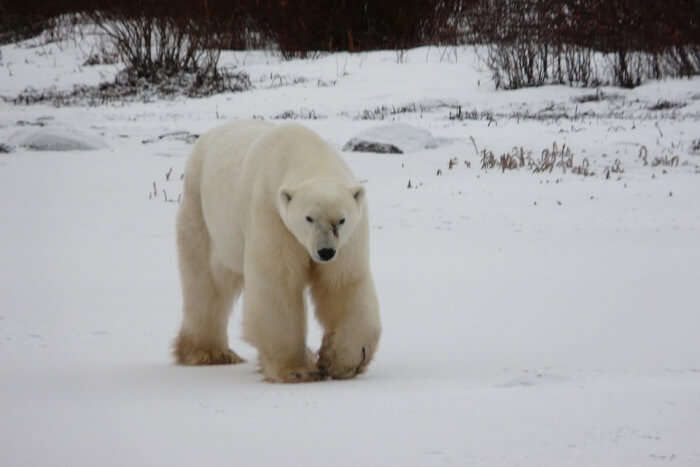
(529, 319)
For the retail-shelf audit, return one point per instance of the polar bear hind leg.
(209, 290)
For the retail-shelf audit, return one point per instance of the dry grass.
(383, 112)
(550, 158)
(666, 105)
(156, 192)
(559, 159)
(302, 114)
(663, 161)
(125, 88)
(615, 168)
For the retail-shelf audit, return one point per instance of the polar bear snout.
(326, 254)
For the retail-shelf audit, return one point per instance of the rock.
(395, 138)
(56, 138)
(359, 145)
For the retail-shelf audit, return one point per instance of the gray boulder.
(56, 139)
(395, 138)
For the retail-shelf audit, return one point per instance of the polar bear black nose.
(326, 253)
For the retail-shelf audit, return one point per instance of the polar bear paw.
(279, 373)
(187, 352)
(294, 375)
(340, 358)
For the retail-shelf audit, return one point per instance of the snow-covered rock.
(56, 139)
(396, 138)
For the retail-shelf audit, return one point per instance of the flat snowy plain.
(530, 319)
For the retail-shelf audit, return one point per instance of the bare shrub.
(153, 46)
(102, 53)
(682, 60)
(517, 64)
(578, 66)
(628, 68)
(302, 28)
(535, 42)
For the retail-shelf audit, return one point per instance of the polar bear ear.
(358, 192)
(285, 196)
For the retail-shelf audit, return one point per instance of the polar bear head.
(322, 215)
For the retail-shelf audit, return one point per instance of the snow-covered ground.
(531, 319)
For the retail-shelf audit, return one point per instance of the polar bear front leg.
(274, 322)
(350, 317)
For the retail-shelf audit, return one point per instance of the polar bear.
(275, 211)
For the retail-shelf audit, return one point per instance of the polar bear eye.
(309, 219)
(341, 221)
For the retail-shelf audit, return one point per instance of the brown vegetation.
(530, 42)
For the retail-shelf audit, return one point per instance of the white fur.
(261, 204)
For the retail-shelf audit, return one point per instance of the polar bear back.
(287, 156)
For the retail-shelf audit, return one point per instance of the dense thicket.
(296, 27)
(531, 41)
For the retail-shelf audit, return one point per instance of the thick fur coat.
(271, 211)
